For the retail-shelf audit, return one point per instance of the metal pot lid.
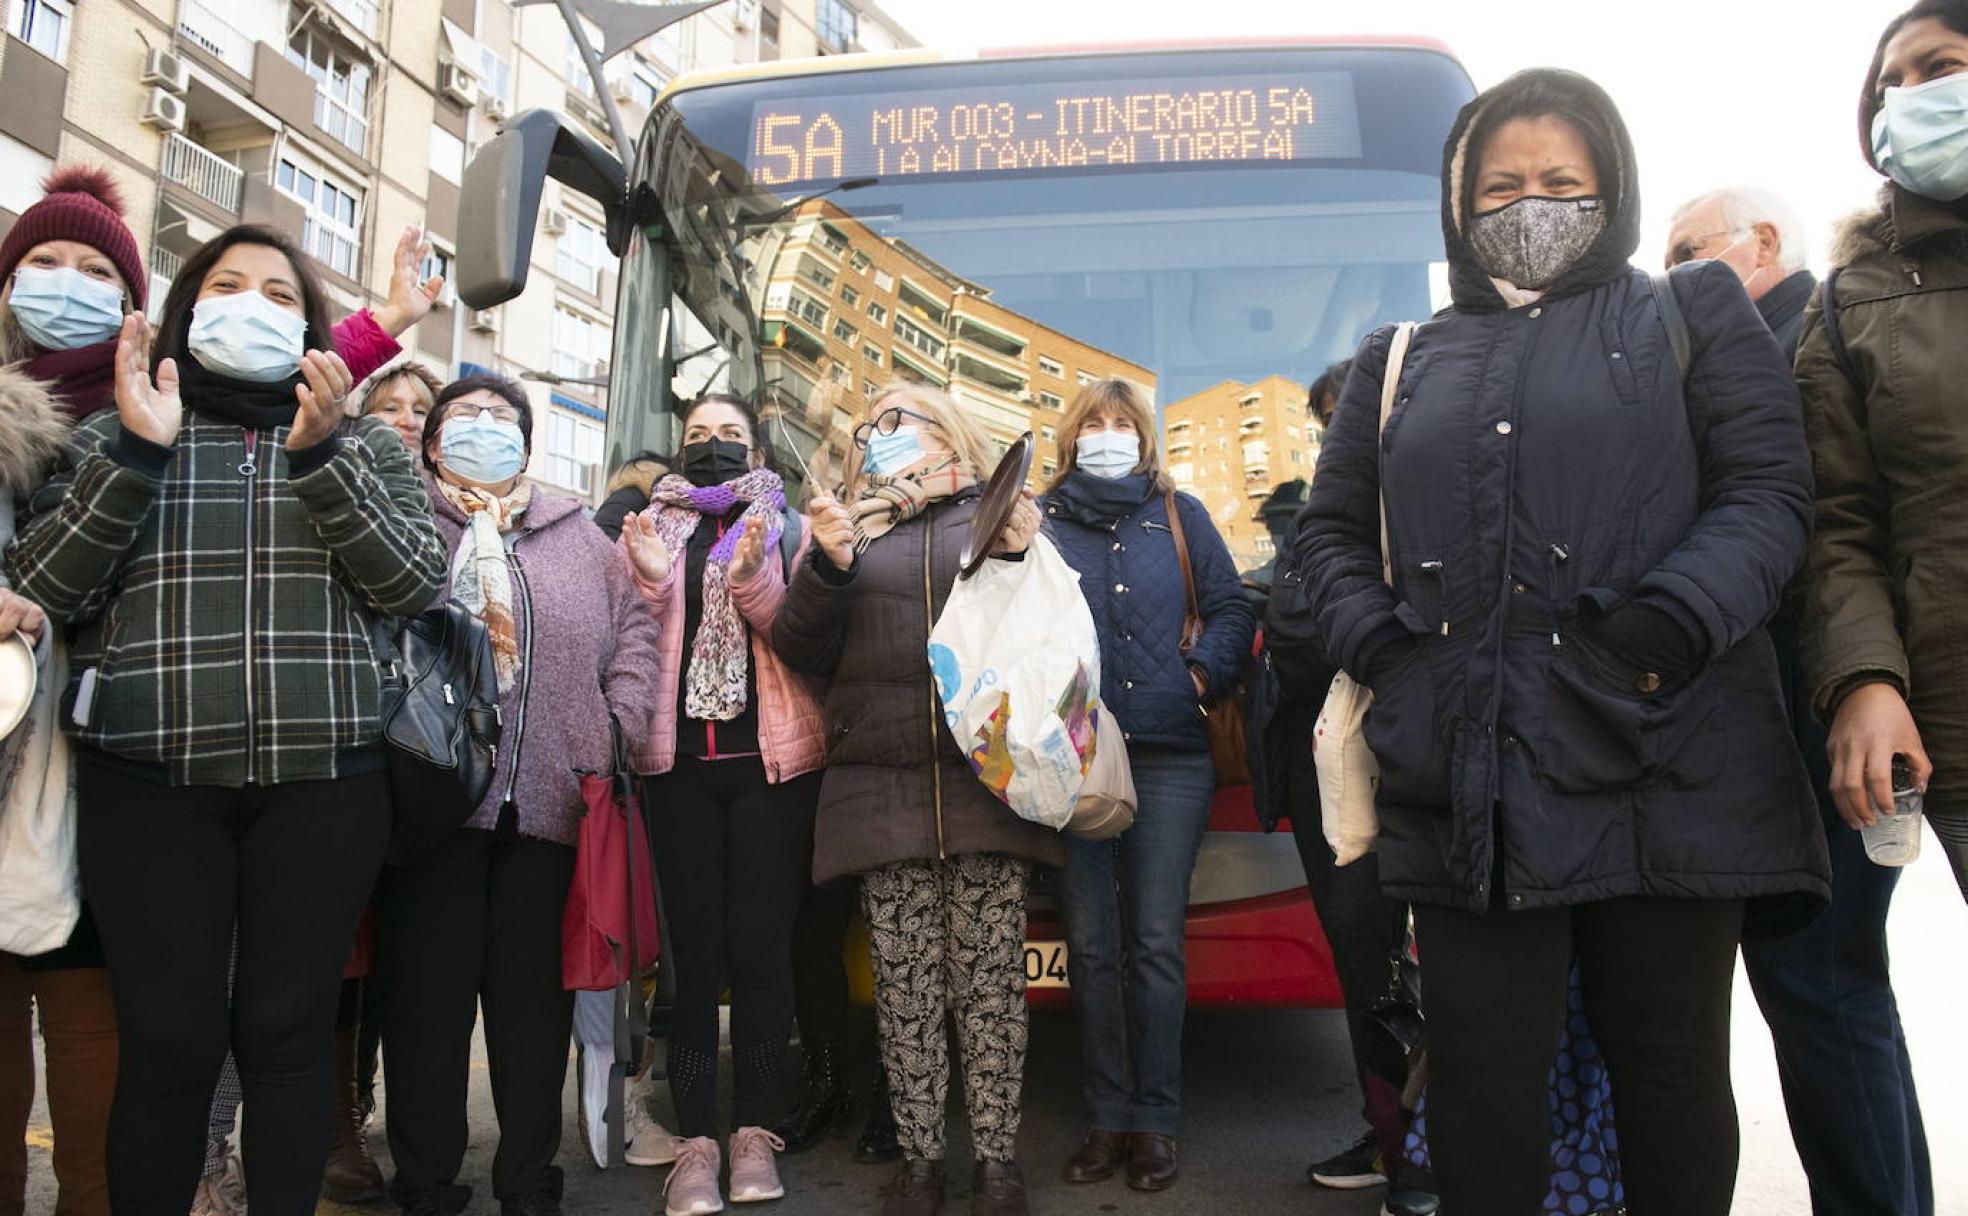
(18, 677)
(995, 508)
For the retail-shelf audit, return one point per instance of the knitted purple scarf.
(714, 686)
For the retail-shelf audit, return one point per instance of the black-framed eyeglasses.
(885, 423)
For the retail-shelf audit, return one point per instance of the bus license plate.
(1045, 965)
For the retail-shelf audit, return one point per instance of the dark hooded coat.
(1544, 465)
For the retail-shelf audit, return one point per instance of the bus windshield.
(1216, 227)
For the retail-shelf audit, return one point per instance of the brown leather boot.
(997, 1188)
(916, 1190)
(1151, 1161)
(1101, 1153)
(352, 1175)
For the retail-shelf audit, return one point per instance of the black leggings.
(169, 871)
(734, 854)
(1656, 975)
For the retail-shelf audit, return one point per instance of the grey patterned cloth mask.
(1534, 240)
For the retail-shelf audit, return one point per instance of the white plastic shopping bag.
(40, 897)
(1017, 666)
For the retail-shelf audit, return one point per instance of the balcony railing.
(216, 34)
(202, 172)
(361, 12)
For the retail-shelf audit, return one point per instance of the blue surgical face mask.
(1107, 453)
(1920, 137)
(889, 454)
(482, 449)
(64, 309)
(246, 336)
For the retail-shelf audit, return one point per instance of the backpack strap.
(1834, 331)
(1672, 318)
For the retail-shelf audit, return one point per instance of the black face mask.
(710, 462)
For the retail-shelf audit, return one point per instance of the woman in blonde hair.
(1115, 516)
(943, 864)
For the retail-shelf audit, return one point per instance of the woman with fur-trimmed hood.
(1882, 373)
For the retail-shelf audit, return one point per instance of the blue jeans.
(1126, 906)
(1827, 994)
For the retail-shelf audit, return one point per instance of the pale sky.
(1717, 92)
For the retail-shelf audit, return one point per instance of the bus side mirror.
(502, 191)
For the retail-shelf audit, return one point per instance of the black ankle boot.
(825, 1101)
(878, 1142)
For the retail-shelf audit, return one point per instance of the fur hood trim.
(33, 427)
(642, 474)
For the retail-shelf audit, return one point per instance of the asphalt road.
(1267, 1090)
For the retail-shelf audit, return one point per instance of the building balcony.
(360, 13)
(203, 172)
(214, 33)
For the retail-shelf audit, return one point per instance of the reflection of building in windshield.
(847, 310)
(1228, 445)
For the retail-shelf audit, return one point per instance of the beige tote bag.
(1348, 772)
(1107, 800)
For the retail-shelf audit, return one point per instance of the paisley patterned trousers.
(949, 940)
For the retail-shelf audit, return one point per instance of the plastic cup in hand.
(1894, 837)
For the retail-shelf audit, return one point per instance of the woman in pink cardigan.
(735, 749)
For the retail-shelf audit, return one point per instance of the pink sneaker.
(754, 1172)
(692, 1187)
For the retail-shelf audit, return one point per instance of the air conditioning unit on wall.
(495, 107)
(485, 321)
(745, 15)
(553, 221)
(458, 83)
(162, 111)
(166, 71)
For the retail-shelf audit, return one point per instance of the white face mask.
(1107, 453)
(1726, 249)
(246, 336)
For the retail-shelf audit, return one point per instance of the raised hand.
(410, 300)
(18, 615)
(149, 409)
(326, 384)
(647, 552)
(750, 554)
(833, 530)
(1020, 528)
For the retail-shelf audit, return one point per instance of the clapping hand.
(833, 530)
(325, 386)
(149, 409)
(750, 554)
(410, 300)
(647, 552)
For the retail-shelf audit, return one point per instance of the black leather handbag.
(440, 724)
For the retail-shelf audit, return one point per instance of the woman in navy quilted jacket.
(1581, 736)
(1126, 899)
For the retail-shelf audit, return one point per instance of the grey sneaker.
(754, 1170)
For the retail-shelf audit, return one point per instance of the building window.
(579, 254)
(1048, 434)
(806, 308)
(447, 155)
(813, 272)
(860, 262)
(1085, 378)
(1052, 401)
(769, 26)
(494, 75)
(918, 337)
(874, 354)
(646, 84)
(575, 68)
(843, 332)
(877, 313)
(838, 25)
(332, 221)
(436, 265)
(579, 345)
(572, 452)
(884, 281)
(1049, 468)
(1297, 456)
(849, 296)
(43, 25)
(838, 374)
(341, 86)
(1052, 367)
(869, 388)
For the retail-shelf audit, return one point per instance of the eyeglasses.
(885, 423)
(1690, 249)
(498, 413)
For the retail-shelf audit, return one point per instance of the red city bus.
(1198, 218)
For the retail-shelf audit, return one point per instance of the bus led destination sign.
(1055, 126)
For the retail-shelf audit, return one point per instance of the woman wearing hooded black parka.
(1582, 743)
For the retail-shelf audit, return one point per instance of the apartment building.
(342, 121)
(847, 311)
(1231, 443)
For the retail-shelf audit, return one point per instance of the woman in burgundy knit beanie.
(69, 271)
